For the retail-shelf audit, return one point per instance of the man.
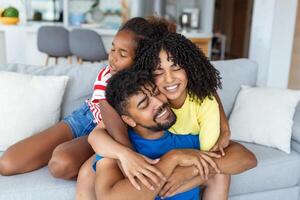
(146, 111)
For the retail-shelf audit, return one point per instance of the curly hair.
(125, 84)
(203, 78)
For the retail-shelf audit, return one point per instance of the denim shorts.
(81, 121)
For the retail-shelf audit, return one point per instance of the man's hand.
(135, 165)
(179, 176)
(222, 142)
(200, 159)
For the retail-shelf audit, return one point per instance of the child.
(189, 81)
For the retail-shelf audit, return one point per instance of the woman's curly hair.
(203, 78)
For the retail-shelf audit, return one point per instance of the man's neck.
(147, 133)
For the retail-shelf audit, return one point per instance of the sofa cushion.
(296, 125)
(235, 73)
(278, 194)
(27, 97)
(39, 184)
(275, 170)
(263, 124)
(77, 91)
(295, 146)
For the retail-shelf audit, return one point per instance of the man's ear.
(128, 120)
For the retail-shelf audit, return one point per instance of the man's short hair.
(125, 84)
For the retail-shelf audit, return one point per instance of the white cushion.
(264, 116)
(28, 104)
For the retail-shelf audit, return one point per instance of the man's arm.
(112, 184)
(236, 160)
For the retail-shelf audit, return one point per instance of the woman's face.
(171, 80)
(122, 53)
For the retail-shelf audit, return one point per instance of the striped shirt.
(99, 93)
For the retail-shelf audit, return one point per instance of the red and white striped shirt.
(99, 93)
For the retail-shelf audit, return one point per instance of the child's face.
(171, 79)
(122, 53)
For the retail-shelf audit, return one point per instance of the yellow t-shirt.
(196, 117)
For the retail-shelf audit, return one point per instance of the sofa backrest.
(80, 84)
(235, 73)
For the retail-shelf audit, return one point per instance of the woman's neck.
(178, 103)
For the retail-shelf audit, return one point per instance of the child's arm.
(114, 124)
(225, 133)
(131, 162)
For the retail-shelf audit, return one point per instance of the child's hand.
(135, 165)
(179, 177)
(222, 142)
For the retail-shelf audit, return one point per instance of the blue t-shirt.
(155, 148)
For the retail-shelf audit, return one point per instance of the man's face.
(149, 109)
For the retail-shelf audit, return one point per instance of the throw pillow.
(264, 116)
(28, 104)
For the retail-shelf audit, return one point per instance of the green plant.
(10, 12)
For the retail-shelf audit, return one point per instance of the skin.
(113, 185)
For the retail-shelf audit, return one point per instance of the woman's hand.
(179, 176)
(200, 159)
(222, 142)
(136, 166)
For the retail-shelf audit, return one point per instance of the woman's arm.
(237, 160)
(209, 123)
(225, 133)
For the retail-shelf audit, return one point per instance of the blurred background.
(264, 31)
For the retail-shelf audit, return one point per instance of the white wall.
(271, 40)
(2, 48)
(207, 15)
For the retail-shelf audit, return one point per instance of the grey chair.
(87, 45)
(54, 41)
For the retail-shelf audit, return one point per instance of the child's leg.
(217, 187)
(68, 157)
(34, 152)
(85, 188)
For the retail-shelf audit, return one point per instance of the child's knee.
(6, 166)
(62, 166)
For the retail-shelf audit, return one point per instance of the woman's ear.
(128, 120)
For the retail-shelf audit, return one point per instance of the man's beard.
(162, 126)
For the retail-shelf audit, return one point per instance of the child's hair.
(147, 28)
(203, 78)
